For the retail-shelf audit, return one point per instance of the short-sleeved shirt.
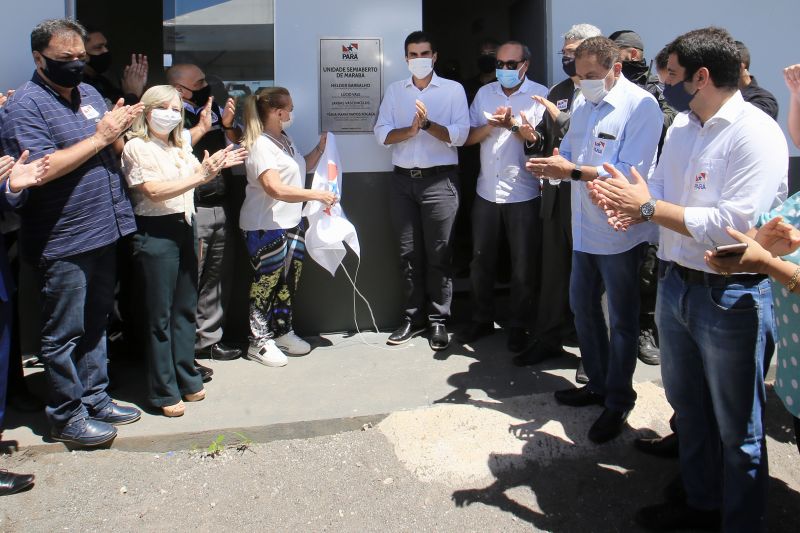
(503, 177)
(152, 160)
(84, 209)
(260, 211)
(787, 315)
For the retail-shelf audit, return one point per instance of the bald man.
(211, 128)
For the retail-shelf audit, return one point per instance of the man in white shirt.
(613, 121)
(424, 118)
(723, 164)
(500, 118)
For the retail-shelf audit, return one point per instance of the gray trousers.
(213, 275)
(423, 212)
(523, 230)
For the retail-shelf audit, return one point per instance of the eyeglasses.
(509, 65)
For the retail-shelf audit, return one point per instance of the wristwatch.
(648, 209)
(576, 173)
(425, 125)
(514, 128)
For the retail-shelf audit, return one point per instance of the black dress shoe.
(536, 353)
(608, 425)
(205, 372)
(579, 397)
(117, 414)
(666, 447)
(404, 332)
(517, 339)
(222, 352)
(438, 339)
(580, 374)
(674, 516)
(85, 433)
(649, 353)
(11, 483)
(475, 331)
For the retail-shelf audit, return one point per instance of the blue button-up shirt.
(622, 129)
(84, 209)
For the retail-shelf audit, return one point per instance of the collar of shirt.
(435, 81)
(617, 95)
(525, 88)
(76, 94)
(728, 113)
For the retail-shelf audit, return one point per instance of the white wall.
(298, 29)
(766, 27)
(16, 23)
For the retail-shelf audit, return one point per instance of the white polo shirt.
(622, 129)
(503, 177)
(447, 106)
(726, 172)
(260, 211)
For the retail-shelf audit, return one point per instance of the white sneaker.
(292, 344)
(267, 354)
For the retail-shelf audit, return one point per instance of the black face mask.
(200, 96)
(100, 62)
(568, 64)
(633, 70)
(64, 73)
(486, 63)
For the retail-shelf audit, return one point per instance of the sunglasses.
(510, 65)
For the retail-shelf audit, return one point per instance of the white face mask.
(594, 90)
(163, 121)
(289, 122)
(420, 67)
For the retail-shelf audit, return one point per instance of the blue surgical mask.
(508, 78)
(677, 97)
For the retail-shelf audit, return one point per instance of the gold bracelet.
(793, 281)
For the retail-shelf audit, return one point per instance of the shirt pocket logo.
(599, 146)
(701, 181)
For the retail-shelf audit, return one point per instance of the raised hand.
(323, 142)
(619, 194)
(422, 111)
(116, 121)
(22, 175)
(134, 76)
(526, 130)
(4, 97)
(791, 75)
(552, 110)
(205, 115)
(778, 237)
(228, 113)
(234, 157)
(6, 163)
(554, 166)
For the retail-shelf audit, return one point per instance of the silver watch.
(648, 209)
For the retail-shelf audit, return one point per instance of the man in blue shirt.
(613, 121)
(70, 225)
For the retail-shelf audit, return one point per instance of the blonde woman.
(271, 221)
(162, 174)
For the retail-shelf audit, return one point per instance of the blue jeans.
(609, 362)
(77, 294)
(715, 339)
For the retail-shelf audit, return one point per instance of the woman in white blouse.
(162, 174)
(271, 221)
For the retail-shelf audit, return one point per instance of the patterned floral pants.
(277, 258)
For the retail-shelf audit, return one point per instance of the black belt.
(424, 172)
(698, 277)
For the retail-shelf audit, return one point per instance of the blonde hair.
(256, 111)
(154, 98)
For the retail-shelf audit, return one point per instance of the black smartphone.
(607, 136)
(729, 250)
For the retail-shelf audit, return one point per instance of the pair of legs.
(277, 259)
(165, 265)
(423, 212)
(521, 222)
(609, 361)
(716, 339)
(214, 274)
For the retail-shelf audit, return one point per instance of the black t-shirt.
(212, 193)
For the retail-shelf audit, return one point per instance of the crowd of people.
(683, 223)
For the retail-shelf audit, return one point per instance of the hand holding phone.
(730, 250)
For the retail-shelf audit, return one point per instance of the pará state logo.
(599, 147)
(700, 181)
(350, 51)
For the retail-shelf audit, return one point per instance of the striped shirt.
(84, 209)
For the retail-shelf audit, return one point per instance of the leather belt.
(424, 172)
(698, 277)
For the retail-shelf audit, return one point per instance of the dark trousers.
(522, 225)
(609, 362)
(165, 271)
(77, 295)
(214, 274)
(5, 348)
(648, 286)
(554, 319)
(423, 212)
